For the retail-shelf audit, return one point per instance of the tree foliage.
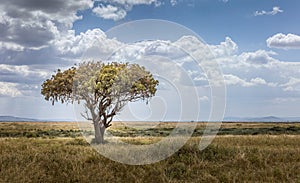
(60, 86)
(104, 88)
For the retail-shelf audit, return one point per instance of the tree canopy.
(105, 88)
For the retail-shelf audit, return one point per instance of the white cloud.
(284, 41)
(22, 74)
(173, 2)
(226, 48)
(23, 70)
(33, 34)
(110, 12)
(243, 70)
(33, 24)
(274, 11)
(62, 11)
(238, 68)
(231, 79)
(258, 81)
(203, 99)
(246, 62)
(117, 9)
(293, 84)
(74, 46)
(258, 57)
(235, 80)
(11, 46)
(129, 2)
(9, 89)
(36, 35)
(248, 69)
(195, 47)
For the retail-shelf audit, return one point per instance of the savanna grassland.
(242, 152)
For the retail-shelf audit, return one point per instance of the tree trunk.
(99, 132)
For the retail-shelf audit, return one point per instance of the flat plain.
(241, 152)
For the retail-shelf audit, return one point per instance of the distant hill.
(263, 119)
(13, 118)
(267, 119)
(19, 119)
(226, 119)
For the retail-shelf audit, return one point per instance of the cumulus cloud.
(173, 2)
(257, 68)
(274, 11)
(75, 46)
(238, 68)
(231, 79)
(284, 41)
(129, 2)
(33, 24)
(37, 37)
(21, 80)
(203, 99)
(117, 9)
(11, 46)
(23, 75)
(258, 57)
(18, 34)
(9, 89)
(62, 11)
(226, 48)
(110, 12)
(231, 61)
(260, 81)
(293, 84)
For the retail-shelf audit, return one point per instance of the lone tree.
(103, 88)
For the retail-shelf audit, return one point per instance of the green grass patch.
(51, 130)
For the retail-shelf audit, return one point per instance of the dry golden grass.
(230, 158)
(227, 159)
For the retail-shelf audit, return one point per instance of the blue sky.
(256, 43)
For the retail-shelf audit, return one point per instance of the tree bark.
(99, 132)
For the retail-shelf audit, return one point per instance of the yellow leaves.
(95, 79)
(59, 86)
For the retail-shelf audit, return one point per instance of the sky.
(254, 43)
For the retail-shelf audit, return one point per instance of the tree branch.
(86, 115)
